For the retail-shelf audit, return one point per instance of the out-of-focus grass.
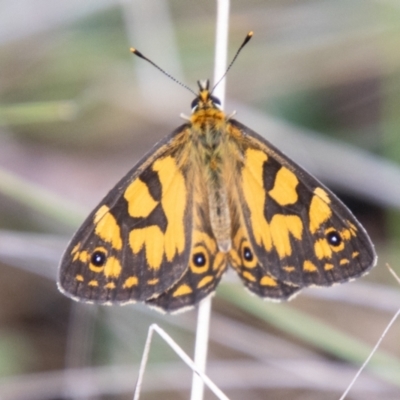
(315, 333)
(38, 112)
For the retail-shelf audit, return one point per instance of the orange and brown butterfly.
(212, 194)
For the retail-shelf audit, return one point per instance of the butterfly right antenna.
(245, 41)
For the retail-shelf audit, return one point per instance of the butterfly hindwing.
(300, 232)
(206, 264)
(136, 243)
(255, 276)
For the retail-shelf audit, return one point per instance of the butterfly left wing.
(299, 232)
(136, 243)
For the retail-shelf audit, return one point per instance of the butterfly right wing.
(298, 230)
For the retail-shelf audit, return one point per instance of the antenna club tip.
(137, 53)
(247, 38)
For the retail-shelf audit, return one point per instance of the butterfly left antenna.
(139, 54)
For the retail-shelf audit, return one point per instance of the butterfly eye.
(215, 100)
(334, 238)
(98, 258)
(195, 103)
(199, 259)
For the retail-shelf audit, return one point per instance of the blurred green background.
(320, 79)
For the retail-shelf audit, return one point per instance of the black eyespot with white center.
(334, 238)
(98, 258)
(247, 254)
(199, 259)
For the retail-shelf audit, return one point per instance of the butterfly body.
(213, 194)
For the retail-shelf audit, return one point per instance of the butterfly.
(210, 195)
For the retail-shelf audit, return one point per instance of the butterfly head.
(205, 100)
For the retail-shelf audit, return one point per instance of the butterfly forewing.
(300, 232)
(136, 243)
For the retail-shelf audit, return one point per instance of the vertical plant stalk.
(204, 313)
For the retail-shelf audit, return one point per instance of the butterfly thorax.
(209, 144)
